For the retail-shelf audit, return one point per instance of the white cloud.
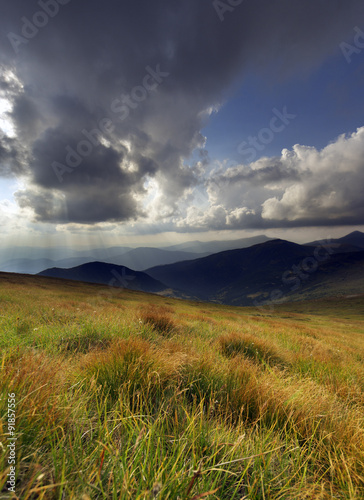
(214, 217)
(330, 183)
(302, 187)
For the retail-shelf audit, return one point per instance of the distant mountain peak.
(355, 233)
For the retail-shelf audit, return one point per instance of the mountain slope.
(342, 274)
(242, 269)
(108, 274)
(353, 242)
(356, 238)
(251, 275)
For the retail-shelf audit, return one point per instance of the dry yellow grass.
(116, 396)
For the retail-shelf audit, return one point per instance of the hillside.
(108, 274)
(130, 395)
(251, 275)
(352, 242)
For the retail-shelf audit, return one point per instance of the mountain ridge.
(249, 276)
(273, 271)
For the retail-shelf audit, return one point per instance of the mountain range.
(32, 260)
(137, 259)
(269, 272)
(261, 274)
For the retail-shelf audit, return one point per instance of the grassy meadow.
(125, 395)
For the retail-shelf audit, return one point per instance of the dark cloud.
(11, 160)
(79, 69)
(94, 203)
(27, 117)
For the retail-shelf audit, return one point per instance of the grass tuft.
(235, 344)
(160, 319)
(83, 343)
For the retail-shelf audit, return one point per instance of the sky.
(153, 123)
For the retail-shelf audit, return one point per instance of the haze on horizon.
(153, 123)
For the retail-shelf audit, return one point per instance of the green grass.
(126, 395)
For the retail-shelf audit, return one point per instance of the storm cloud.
(108, 102)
